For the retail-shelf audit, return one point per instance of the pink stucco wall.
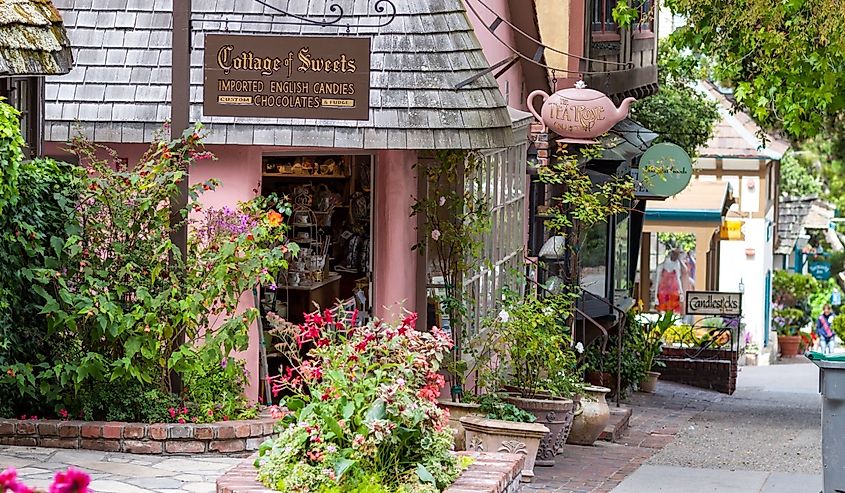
(510, 83)
(239, 170)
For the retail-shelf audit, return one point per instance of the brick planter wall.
(227, 437)
(713, 369)
(490, 473)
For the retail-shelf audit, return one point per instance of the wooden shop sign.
(713, 303)
(287, 77)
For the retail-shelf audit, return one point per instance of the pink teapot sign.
(579, 115)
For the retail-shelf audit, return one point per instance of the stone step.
(620, 418)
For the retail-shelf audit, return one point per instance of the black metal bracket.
(383, 13)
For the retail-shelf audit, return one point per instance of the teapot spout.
(624, 108)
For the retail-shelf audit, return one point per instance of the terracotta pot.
(554, 413)
(649, 382)
(594, 414)
(458, 410)
(493, 435)
(789, 346)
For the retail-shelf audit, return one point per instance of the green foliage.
(11, 153)
(792, 288)
(118, 293)
(43, 209)
(122, 401)
(529, 347)
(456, 215)
(654, 332)
(838, 327)
(787, 321)
(784, 59)
(493, 407)
(683, 241)
(798, 178)
(631, 354)
(678, 112)
(215, 391)
(821, 297)
(362, 408)
(582, 204)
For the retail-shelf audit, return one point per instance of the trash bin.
(832, 388)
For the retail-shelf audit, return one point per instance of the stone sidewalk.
(119, 473)
(656, 420)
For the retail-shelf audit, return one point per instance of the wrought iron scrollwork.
(383, 12)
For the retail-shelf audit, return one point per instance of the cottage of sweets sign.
(714, 303)
(287, 77)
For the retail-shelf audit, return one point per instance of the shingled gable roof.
(119, 91)
(32, 39)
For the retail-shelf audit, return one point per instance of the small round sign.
(665, 170)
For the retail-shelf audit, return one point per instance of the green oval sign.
(665, 170)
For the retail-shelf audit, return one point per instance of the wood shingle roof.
(32, 39)
(120, 90)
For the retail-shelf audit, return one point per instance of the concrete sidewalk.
(672, 479)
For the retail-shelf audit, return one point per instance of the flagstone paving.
(119, 473)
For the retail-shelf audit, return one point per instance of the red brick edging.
(227, 437)
(490, 473)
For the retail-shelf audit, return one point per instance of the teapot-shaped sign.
(579, 115)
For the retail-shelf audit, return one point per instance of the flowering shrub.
(362, 415)
(119, 299)
(70, 481)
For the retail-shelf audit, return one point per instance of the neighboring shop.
(33, 43)
(337, 124)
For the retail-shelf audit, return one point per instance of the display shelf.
(305, 176)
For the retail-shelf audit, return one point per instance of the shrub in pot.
(652, 346)
(602, 360)
(534, 360)
(787, 323)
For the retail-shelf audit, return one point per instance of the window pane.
(594, 261)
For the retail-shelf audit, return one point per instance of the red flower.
(71, 481)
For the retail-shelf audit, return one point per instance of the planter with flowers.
(361, 409)
(534, 361)
(652, 346)
(787, 322)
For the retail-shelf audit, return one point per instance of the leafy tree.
(798, 177)
(784, 59)
(678, 112)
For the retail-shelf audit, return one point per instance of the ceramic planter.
(789, 346)
(591, 419)
(554, 413)
(493, 435)
(649, 382)
(458, 410)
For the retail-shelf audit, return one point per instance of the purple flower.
(224, 363)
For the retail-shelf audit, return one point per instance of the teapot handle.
(531, 105)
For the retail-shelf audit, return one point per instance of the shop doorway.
(332, 200)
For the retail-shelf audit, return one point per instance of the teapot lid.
(581, 93)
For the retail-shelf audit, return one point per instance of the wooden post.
(180, 112)
(180, 108)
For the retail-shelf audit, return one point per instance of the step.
(620, 417)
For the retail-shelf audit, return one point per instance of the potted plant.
(503, 427)
(787, 322)
(652, 346)
(535, 363)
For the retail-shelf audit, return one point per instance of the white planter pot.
(493, 435)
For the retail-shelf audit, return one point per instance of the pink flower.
(172, 412)
(181, 421)
(63, 413)
(435, 234)
(8, 478)
(442, 201)
(71, 481)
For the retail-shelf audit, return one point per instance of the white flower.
(435, 234)
(442, 201)
(504, 316)
(579, 347)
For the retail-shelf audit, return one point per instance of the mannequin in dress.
(669, 282)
